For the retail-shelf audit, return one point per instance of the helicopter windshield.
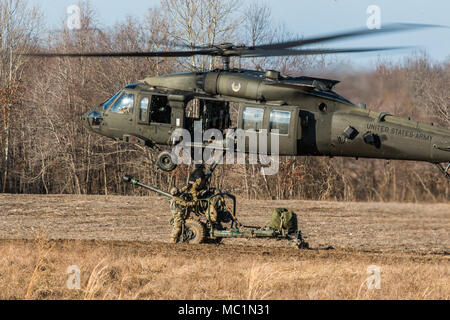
(107, 103)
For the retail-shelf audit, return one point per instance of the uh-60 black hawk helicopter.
(310, 117)
(304, 113)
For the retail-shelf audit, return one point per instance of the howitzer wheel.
(194, 232)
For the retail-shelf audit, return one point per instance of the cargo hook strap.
(445, 171)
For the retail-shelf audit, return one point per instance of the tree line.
(45, 149)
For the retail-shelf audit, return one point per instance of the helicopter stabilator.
(305, 114)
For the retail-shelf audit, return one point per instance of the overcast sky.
(308, 18)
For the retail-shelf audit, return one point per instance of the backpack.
(284, 220)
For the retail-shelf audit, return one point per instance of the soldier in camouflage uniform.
(179, 207)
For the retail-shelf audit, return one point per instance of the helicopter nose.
(92, 119)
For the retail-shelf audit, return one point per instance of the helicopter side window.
(143, 107)
(252, 118)
(280, 120)
(124, 105)
(160, 111)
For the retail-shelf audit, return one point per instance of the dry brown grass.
(43, 248)
(132, 270)
(410, 242)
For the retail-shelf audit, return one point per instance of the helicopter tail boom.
(380, 135)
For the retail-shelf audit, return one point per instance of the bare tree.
(201, 22)
(258, 24)
(19, 30)
(430, 86)
(49, 151)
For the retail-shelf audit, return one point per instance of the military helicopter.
(309, 118)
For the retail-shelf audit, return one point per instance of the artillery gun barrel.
(135, 182)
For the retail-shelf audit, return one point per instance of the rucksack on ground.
(284, 220)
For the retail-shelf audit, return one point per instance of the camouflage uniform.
(180, 208)
(178, 219)
(216, 204)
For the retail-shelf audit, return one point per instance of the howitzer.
(210, 218)
(135, 182)
(182, 199)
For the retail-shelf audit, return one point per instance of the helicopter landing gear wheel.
(165, 162)
(194, 232)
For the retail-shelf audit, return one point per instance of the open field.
(136, 270)
(380, 227)
(119, 245)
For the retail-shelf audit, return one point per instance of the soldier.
(180, 207)
(178, 216)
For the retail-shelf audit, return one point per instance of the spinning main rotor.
(286, 48)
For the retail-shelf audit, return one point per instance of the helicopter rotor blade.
(390, 28)
(125, 54)
(179, 44)
(302, 52)
(265, 50)
(245, 53)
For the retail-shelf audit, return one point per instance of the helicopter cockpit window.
(252, 118)
(124, 105)
(143, 107)
(280, 120)
(160, 111)
(107, 103)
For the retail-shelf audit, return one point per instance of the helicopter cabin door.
(159, 116)
(281, 124)
(119, 117)
(142, 120)
(275, 123)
